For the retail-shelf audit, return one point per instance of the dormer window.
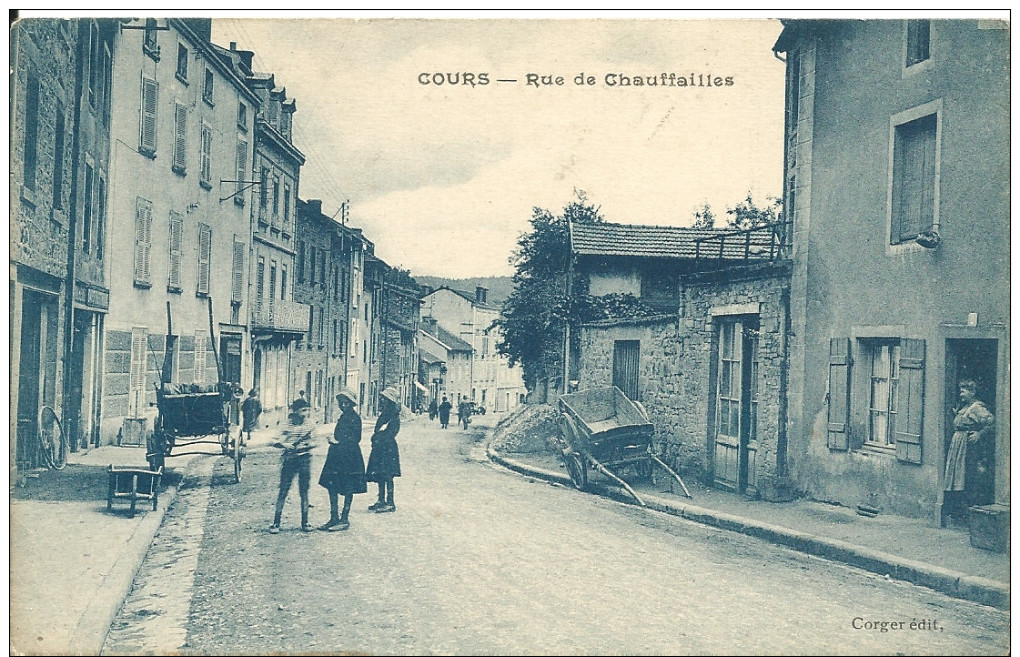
(242, 116)
(207, 89)
(182, 62)
(150, 46)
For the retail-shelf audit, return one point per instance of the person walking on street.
(433, 409)
(251, 409)
(444, 412)
(464, 413)
(296, 460)
(344, 470)
(384, 461)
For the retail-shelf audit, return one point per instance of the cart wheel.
(237, 459)
(577, 469)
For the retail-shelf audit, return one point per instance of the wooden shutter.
(201, 351)
(242, 168)
(237, 272)
(139, 358)
(204, 256)
(180, 138)
(910, 401)
(260, 279)
(914, 178)
(176, 242)
(837, 432)
(147, 125)
(206, 172)
(143, 232)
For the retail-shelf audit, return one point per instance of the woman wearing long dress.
(969, 473)
(344, 470)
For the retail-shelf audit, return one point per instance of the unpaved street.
(477, 560)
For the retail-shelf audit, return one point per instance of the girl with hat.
(344, 470)
(384, 461)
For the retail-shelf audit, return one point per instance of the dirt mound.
(531, 429)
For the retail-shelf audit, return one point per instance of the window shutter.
(838, 434)
(143, 227)
(241, 166)
(139, 354)
(201, 349)
(260, 279)
(206, 173)
(180, 138)
(176, 240)
(147, 125)
(910, 405)
(204, 255)
(237, 272)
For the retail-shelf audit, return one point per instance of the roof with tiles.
(452, 341)
(605, 239)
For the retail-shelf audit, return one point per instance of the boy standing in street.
(251, 409)
(297, 460)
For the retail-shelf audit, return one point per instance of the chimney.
(233, 45)
(315, 205)
(481, 293)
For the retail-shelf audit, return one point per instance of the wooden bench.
(133, 484)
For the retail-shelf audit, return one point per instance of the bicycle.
(53, 444)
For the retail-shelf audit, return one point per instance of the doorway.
(37, 372)
(626, 361)
(736, 405)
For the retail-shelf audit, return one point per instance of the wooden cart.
(191, 415)
(603, 429)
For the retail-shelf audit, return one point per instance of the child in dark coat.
(344, 470)
(384, 461)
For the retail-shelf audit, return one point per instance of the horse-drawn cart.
(603, 429)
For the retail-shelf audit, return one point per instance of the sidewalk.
(894, 546)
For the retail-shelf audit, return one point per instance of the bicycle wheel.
(52, 440)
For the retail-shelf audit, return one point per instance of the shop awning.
(421, 387)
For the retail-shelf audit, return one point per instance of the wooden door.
(729, 389)
(626, 360)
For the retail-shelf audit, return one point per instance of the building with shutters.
(398, 335)
(897, 161)
(276, 320)
(692, 324)
(179, 221)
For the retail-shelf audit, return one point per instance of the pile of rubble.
(532, 428)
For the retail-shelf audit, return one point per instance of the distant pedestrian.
(344, 470)
(444, 412)
(251, 409)
(433, 409)
(296, 460)
(384, 461)
(301, 401)
(464, 413)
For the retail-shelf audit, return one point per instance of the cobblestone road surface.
(480, 561)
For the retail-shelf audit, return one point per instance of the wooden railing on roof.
(767, 243)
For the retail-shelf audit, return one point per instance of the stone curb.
(968, 587)
(93, 625)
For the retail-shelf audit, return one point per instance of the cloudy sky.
(444, 178)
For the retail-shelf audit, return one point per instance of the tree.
(747, 214)
(531, 322)
(703, 216)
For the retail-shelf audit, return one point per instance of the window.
(242, 116)
(322, 328)
(182, 63)
(204, 258)
(918, 41)
(180, 138)
(913, 193)
(101, 219)
(86, 217)
(147, 122)
(176, 246)
(31, 130)
(241, 171)
(283, 282)
(237, 272)
(286, 204)
(883, 380)
(205, 174)
(107, 82)
(300, 261)
(311, 325)
(94, 70)
(311, 264)
(150, 45)
(58, 159)
(263, 190)
(336, 335)
(207, 89)
(276, 197)
(272, 286)
(322, 267)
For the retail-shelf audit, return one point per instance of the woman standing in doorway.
(384, 461)
(970, 462)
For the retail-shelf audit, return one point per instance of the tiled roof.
(451, 340)
(604, 239)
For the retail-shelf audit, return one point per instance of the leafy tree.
(532, 322)
(703, 216)
(747, 214)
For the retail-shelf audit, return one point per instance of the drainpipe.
(72, 240)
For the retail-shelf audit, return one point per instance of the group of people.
(344, 472)
(464, 411)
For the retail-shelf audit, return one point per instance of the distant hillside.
(499, 287)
